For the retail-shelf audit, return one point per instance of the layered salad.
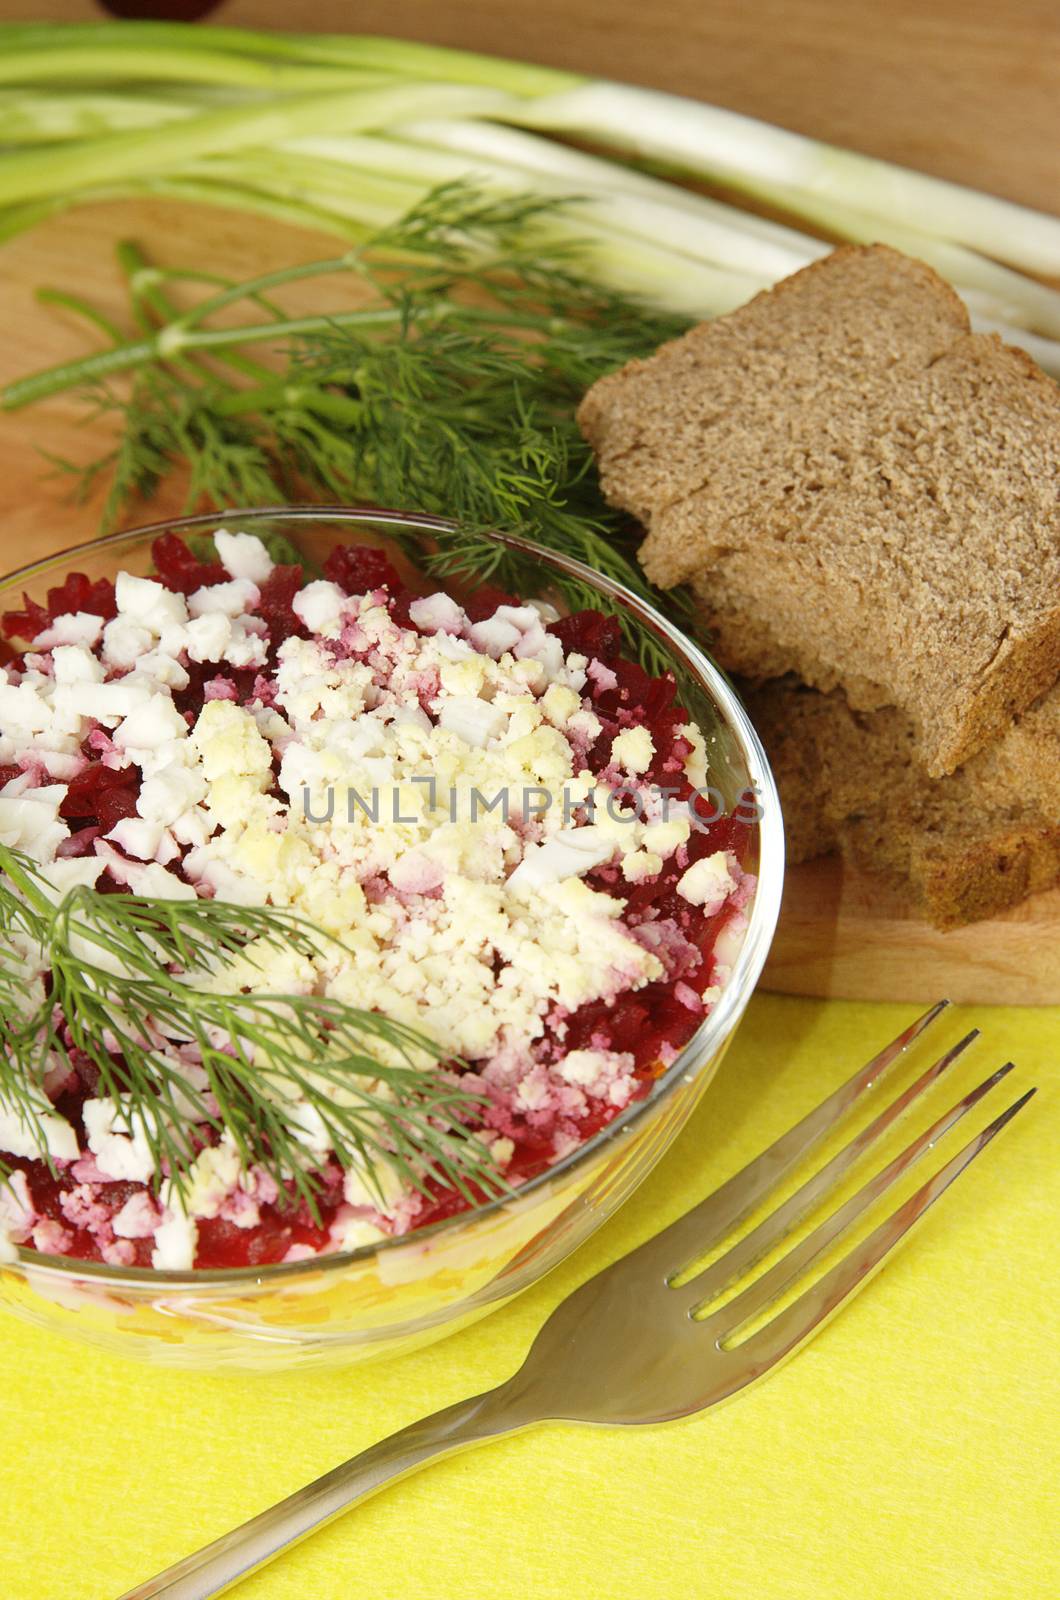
(501, 824)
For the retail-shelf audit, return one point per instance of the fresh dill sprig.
(128, 978)
(451, 390)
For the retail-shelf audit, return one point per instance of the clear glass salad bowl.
(405, 1291)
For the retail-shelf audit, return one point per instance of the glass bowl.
(406, 1291)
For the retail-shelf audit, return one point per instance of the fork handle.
(219, 1566)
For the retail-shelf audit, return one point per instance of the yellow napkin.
(910, 1453)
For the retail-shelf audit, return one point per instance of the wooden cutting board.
(837, 936)
(848, 937)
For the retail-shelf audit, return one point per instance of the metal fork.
(638, 1342)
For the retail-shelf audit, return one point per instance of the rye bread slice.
(861, 491)
(962, 847)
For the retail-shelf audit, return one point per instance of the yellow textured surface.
(910, 1453)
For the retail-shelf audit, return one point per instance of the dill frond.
(452, 391)
(127, 976)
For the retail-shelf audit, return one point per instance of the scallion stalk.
(123, 63)
(37, 173)
(793, 171)
(342, 132)
(33, 117)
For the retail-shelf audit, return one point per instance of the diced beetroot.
(9, 772)
(485, 600)
(87, 1072)
(651, 703)
(642, 1023)
(275, 606)
(223, 1244)
(75, 593)
(85, 790)
(179, 568)
(589, 633)
(598, 755)
(442, 1202)
(358, 569)
(724, 833)
(400, 600)
(192, 698)
(99, 795)
(113, 806)
(79, 593)
(27, 623)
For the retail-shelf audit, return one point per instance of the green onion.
(30, 117)
(34, 174)
(100, 44)
(345, 133)
(795, 172)
(123, 63)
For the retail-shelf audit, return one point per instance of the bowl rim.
(712, 1031)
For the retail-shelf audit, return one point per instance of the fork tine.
(692, 1235)
(758, 1295)
(799, 1321)
(704, 1286)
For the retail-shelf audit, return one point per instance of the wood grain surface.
(850, 938)
(966, 89)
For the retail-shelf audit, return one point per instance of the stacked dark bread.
(865, 498)
(965, 846)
